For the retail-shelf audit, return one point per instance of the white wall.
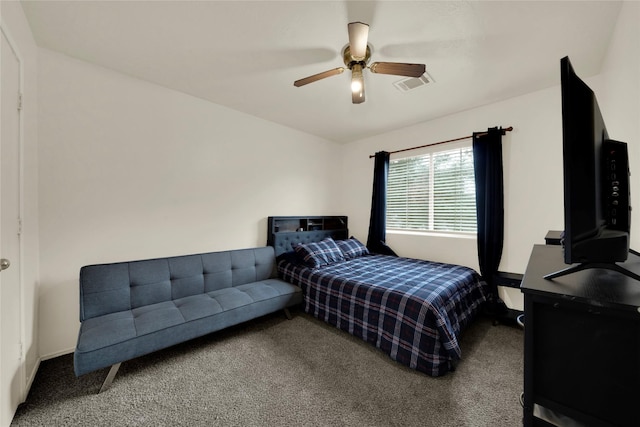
(15, 24)
(131, 170)
(620, 100)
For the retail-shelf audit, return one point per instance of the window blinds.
(432, 192)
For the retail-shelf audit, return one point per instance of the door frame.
(5, 32)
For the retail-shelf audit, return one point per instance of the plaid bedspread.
(411, 309)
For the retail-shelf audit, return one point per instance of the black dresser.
(582, 344)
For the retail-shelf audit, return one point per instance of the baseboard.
(32, 375)
(30, 378)
(56, 354)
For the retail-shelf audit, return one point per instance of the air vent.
(412, 83)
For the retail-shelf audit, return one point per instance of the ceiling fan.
(356, 57)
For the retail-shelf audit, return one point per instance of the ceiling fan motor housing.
(349, 61)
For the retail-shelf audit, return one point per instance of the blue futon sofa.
(129, 309)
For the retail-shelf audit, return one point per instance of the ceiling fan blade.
(318, 76)
(398, 69)
(358, 37)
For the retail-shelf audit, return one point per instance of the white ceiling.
(246, 54)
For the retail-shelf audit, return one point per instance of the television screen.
(596, 181)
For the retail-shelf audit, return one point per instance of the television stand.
(581, 348)
(588, 265)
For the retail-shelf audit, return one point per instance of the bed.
(413, 310)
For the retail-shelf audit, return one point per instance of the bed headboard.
(285, 231)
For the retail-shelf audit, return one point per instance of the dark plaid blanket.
(411, 309)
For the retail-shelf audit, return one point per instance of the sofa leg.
(287, 313)
(110, 376)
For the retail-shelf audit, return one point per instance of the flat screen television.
(597, 211)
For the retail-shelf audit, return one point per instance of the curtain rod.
(509, 129)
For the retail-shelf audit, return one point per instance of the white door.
(11, 376)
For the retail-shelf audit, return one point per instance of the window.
(433, 192)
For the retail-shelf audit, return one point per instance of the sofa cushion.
(106, 330)
(230, 298)
(104, 289)
(232, 268)
(265, 289)
(150, 318)
(187, 276)
(217, 270)
(150, 282)
(197, 306)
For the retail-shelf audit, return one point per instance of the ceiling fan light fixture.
(357, 81)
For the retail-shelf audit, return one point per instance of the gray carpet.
(301, 372)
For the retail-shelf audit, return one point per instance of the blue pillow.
(321, 253)
(352, 248)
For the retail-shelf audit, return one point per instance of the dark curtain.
(487, 159)
(378, 220)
